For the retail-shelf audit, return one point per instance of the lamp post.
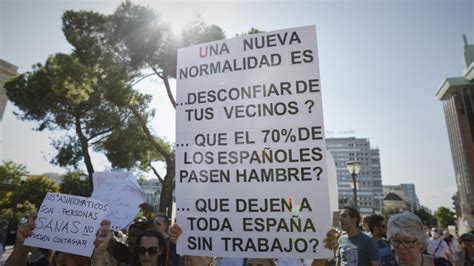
(354, 169)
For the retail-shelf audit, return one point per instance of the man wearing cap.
(465, 257)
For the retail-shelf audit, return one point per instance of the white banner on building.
(250, 150)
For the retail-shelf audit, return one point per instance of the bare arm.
(199, 260)
(19, 254)
(175, 233)
(102, 239)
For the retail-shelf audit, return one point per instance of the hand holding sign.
(26, 230)
(103, 237)
(67, 223)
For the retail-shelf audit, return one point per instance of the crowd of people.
(403, 240)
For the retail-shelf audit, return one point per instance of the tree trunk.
(165, 79)
(166, 199)
(85, 151)
(168, 90)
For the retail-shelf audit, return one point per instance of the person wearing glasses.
(149, 247)
(378, 230)
(406, 234)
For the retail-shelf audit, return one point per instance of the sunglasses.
(152, 251)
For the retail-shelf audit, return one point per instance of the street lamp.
(354, 169)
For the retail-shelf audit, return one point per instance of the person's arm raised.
(102, 239)
(19, 254)
(175, 232)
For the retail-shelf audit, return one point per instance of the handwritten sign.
(122, 192)
(251, 177)
(68, 223)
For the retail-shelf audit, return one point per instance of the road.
(6, 253)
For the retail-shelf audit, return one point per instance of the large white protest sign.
(250, 150)
(67, 223)
(122, 192)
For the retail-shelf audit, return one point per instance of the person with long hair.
(148, 249)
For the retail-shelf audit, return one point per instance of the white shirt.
(442, 250)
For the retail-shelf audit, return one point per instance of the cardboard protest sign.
(67, 223)
(250, 150)
(122, 192)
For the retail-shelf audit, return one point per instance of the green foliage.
(389, 211)
(26, 197)
(11, 172)
(65, 94)
(141, 180)
(69, 151)
(251, 31)
(13, 215)
(127, 147)
(445, 217)
(85, 93)
(138, 35)
(84, 30)
(143, 41)
(426, 218)
(73, 185)
(88, 93)
(199, 32)
(34, 189)
(56, 93)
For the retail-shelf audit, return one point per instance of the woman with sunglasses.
(406, 234)
(149, 247)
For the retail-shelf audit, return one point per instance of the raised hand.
(175, 232)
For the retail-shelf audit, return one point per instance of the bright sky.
(381, 64)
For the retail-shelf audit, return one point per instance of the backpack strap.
(439, 244)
